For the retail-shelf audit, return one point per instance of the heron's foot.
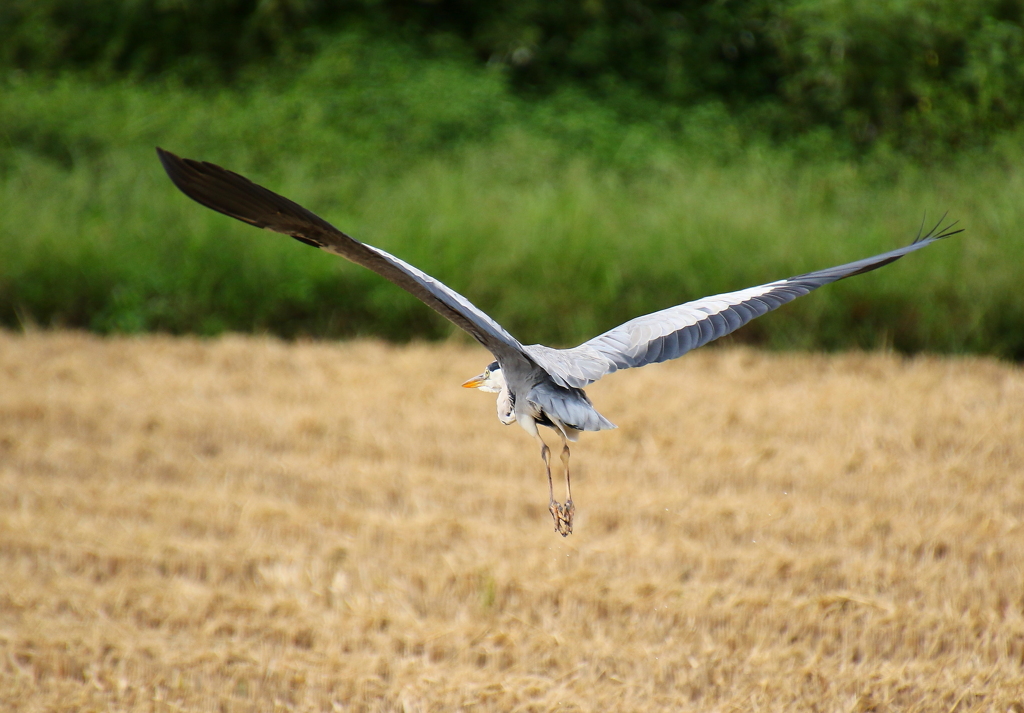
(556, 513)
(568, 512)
(562, 515)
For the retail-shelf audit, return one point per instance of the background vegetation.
(567, 166)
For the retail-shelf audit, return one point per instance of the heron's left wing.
(672, 332)
(236, 196)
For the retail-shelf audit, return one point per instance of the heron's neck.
(506, 405)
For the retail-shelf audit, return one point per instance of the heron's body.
(538, 398)
(536, 385)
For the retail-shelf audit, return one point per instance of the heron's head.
(492, 380)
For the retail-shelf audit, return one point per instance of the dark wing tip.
(184, 172)
(210, 185)
(174, 167)
(939, 231)
(236, 196)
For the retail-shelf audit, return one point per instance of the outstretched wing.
(672, 332)
(236, 196)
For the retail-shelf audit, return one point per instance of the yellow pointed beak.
(474, 383)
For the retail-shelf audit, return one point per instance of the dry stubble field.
(244, 524)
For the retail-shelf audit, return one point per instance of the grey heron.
(536, 385)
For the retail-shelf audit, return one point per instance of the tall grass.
(555, 218)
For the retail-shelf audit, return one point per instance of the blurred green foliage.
(565, 165)
(559, 217)
(920, 75)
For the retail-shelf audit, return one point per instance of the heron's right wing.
(236, 196)
(672, 332)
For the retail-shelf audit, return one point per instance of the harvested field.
(245, 524)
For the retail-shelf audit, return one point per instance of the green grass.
(556, 218)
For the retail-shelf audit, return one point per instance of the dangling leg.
(554, 508)
(558, 512)
(568, 510)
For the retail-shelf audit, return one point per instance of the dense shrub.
(567, 165)
(918, 73)
(555, 243)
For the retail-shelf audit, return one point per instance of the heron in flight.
(536, 385)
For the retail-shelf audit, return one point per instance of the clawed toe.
(556, 513)
(562, 515)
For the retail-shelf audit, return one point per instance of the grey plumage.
(536, 384)
(670, 333)
(236, 196)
